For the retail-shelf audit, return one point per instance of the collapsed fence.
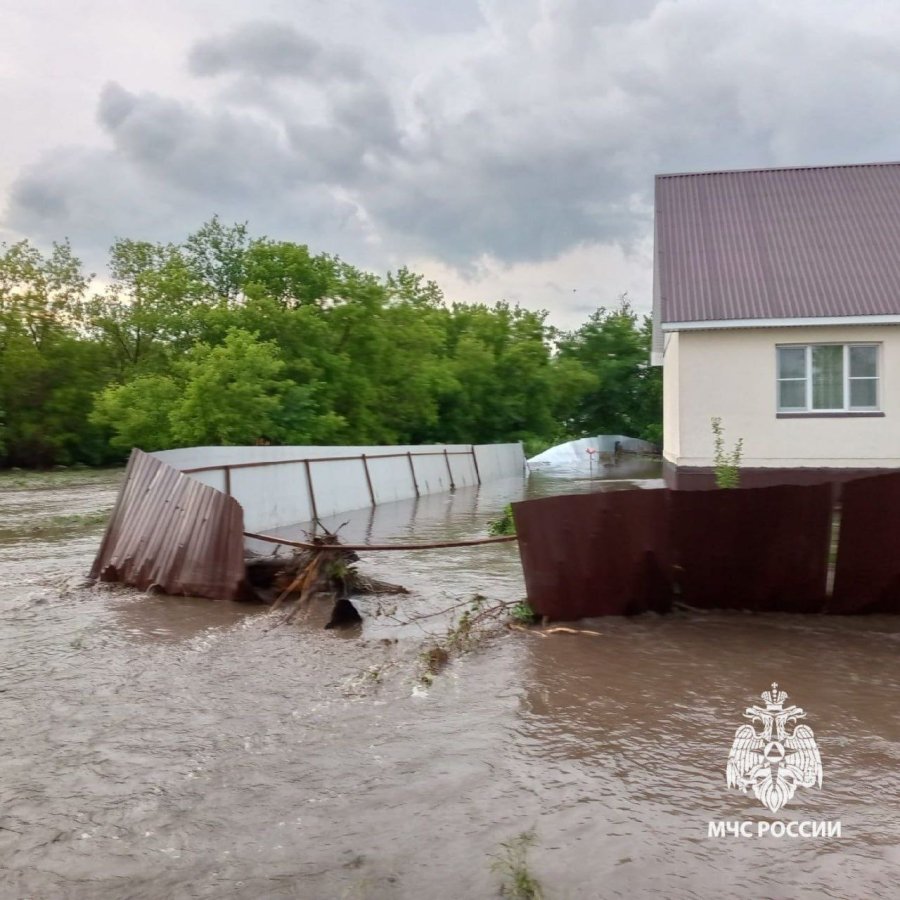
(788, 548)
(173, 531)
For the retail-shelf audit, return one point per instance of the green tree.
(145, 311)
(48, 370)
(287, 273)
(216, 255)
(233, 393)
(225, 338)
(500, 361)
(40, 295)
(615, 347)
(138, 413)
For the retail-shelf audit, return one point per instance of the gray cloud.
(518, 129)
(221, 153)
(272, 50)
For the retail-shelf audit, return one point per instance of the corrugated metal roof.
(170, 530)
(779, 243)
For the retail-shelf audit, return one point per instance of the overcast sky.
(505, 148)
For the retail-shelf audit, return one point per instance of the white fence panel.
(463, 469)
(271, 494)
(215, 478)
(339, 485)
(391, 478)
(275, 489)
(499, 460)
(432, 474)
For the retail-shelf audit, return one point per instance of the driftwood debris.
(327, 573)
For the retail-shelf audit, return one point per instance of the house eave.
(709, 324)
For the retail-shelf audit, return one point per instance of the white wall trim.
(781, 323)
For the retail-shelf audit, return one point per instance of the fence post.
(449, 470)
(368, 478)
(312, 493)
(228, 480)
(412, 469)
(475, 461)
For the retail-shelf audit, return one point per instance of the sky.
(504, 148)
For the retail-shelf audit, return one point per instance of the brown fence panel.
(596, 554)
(867, 574)
(762, 549)
(169, 530)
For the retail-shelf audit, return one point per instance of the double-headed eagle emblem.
(772, 762)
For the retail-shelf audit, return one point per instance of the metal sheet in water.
(169, 530)
(761, 549)
(596, 554)
(867, 573)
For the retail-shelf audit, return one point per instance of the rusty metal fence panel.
(867, 573)
(596, 554)
(626, 552)
(759, 549)
(172, 531)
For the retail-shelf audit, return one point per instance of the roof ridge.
(867, 165)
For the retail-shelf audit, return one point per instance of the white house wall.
(732, 374)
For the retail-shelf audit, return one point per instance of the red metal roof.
(779, 243)
(172, 531)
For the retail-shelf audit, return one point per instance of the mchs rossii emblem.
(772, 761)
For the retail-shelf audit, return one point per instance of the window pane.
(863, 362)
(792, 362)
(828, 377)
(792, 395)
(863, 393)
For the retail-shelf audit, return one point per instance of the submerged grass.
(510, 862)
(56, 527)
(54, 479)
(24, 514)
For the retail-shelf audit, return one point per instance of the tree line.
(231, 339)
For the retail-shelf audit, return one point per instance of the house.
(776, 308)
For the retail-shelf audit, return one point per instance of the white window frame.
(846, 409)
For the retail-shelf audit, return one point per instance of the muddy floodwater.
(155, 747)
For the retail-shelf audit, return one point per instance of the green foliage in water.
(225, 338)
(505, 524)
(522, 613)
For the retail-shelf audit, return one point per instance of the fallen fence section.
(278, 486)
(760, 549)
(172, 532)
(180, 527)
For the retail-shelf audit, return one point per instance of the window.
(827, 378)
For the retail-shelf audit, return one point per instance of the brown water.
(157, 747)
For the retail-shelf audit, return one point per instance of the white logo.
(773, 762)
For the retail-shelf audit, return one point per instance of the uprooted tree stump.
(326, 573)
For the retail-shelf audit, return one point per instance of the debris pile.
(314, 577)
